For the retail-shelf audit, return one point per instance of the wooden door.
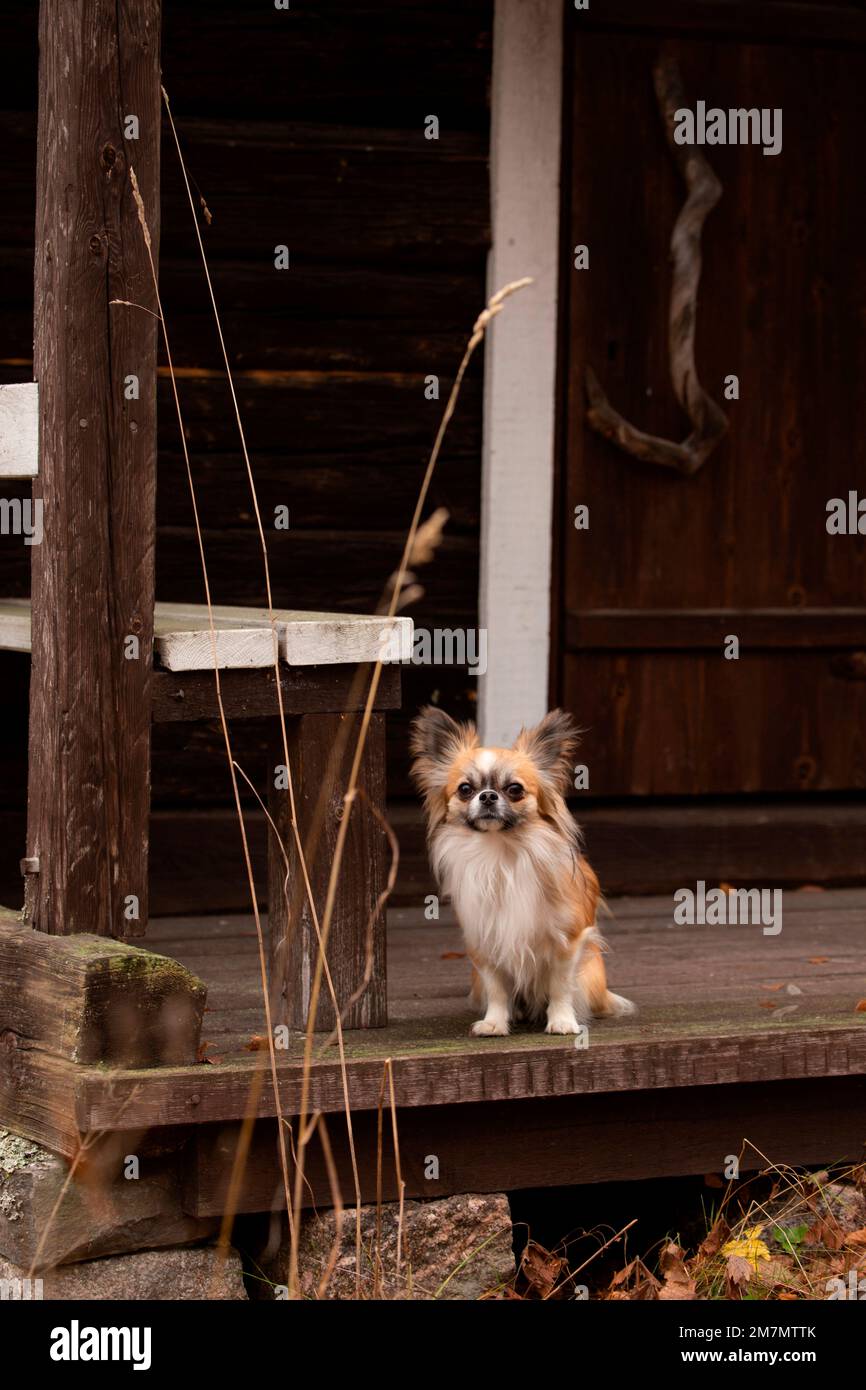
(671, 566)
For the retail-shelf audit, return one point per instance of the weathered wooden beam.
(243, 637)
(19, 430)
(688, 629)
(187, 696)
(356, 945)
(91, 1000)
(440, 1066)
(95, 362)
(45, 1220)
(514, 1144)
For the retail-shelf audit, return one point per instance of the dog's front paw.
(562, 1021)
(489, 1028)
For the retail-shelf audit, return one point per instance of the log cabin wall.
(306, 129)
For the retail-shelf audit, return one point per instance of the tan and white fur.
(505, 848)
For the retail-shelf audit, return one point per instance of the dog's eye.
(514, 791)
(464, 790)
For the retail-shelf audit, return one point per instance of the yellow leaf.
(749, 1247)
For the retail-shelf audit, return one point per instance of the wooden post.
(89, 784)
(352, 943)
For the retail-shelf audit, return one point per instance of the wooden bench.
(324, 664)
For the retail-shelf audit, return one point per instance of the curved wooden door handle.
(708, 419)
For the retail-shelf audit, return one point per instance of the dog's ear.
(551, 745)
(436, 740)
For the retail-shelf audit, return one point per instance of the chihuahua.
(504, 846)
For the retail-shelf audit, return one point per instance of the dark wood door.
(672, 565)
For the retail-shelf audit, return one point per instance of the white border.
(520, 366)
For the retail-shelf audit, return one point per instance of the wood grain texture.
(91, 1000)
(506, 1145)
(786, 21)
(191, 696)
(704, 1021)
(321, 748)
(243, 637)
(93, 574)
(678, 723)
(678, 629)
(747, 534)
(19, 430)
(338, 425)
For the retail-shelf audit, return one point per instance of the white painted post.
(520, 366)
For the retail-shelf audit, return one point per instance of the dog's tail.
(593, 978)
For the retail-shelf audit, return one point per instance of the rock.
(101, 1212)
(454, 1248)
(165, 1275)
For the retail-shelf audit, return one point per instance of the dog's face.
(491, 790)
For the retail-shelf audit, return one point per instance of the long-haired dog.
(505, 847)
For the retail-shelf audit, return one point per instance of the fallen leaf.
(773, 987)
(257, 1043)
(622, 1274)
(860, 1006)
(786, 1297)
(453, 955)
(541, 1269)
(737, 1273)
(856, 1237)
(793, 989)
(678, 1282)
(713, 1180)
(825, 1232)
(818, 960)
(810, 888)
(748, 1246)
(644, 1286)
(715, 1238)
(768, 1003)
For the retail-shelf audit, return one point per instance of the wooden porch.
(745, 1045)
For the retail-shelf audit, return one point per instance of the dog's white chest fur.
(501, 888)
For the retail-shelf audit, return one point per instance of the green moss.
(16, 1153)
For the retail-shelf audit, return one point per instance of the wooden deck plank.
(703, 1023)
(704, 1020)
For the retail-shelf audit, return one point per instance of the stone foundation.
(163, 1275)
(454, 1248)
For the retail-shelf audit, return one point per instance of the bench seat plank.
(19, 430)
(182, 637)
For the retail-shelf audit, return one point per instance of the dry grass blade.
(142, 217)
(494, 306)
(292, 1216)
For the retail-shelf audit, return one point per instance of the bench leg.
(355, 945)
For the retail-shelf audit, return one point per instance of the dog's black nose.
(488, 797)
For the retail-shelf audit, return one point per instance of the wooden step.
(183, 642)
